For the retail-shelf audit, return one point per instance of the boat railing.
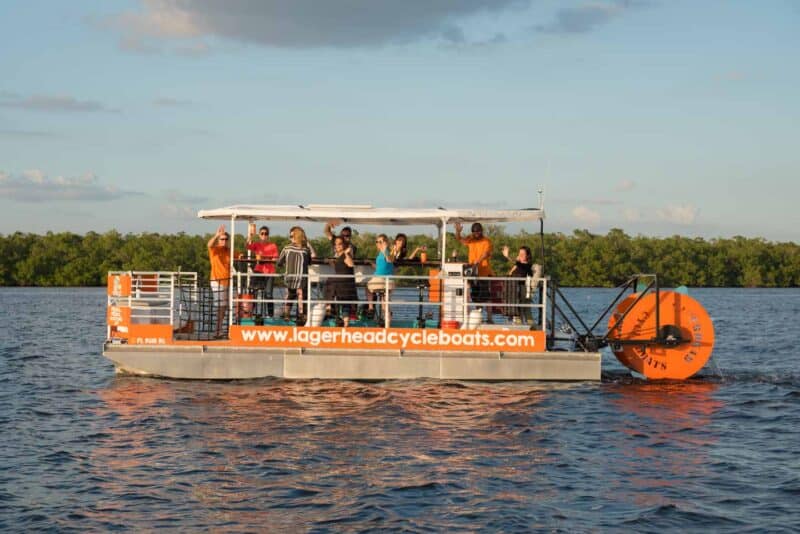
(191, 307)
(414, 301)
(152, 295)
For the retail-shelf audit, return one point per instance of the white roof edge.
(370, 215)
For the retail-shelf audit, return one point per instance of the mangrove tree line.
(577, 259)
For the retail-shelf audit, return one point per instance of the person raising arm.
(219, 256)
(480, 250)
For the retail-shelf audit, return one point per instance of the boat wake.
(791, 380)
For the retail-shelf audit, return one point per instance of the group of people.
(297, 255)
(343, 286)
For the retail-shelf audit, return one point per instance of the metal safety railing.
(196, 311)
(152, 298)
(432, 301)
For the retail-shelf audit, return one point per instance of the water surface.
(81, 449)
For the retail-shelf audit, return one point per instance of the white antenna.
(541, 187)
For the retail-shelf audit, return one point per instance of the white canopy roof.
(370, 215)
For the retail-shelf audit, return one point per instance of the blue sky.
(657, 117)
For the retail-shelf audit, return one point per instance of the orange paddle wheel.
(669, 339)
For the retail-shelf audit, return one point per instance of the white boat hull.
(207, 362)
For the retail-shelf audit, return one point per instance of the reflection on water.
(662, 435)
(672, 404)
(83, 450)
(320, 451)
(346, 454)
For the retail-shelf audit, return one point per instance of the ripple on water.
(81, 449)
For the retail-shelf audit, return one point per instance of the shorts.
(378, 283)
(219, 294)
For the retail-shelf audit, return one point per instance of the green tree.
(579, 259)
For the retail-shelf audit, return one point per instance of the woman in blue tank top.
(384, 266)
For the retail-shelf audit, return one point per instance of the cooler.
(454, 294)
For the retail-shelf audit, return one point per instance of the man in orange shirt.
(480, 250)
(220, 257)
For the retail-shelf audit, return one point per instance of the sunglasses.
(263, 233)
(345, 235)
(223, 238)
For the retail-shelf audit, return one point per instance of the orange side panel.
(149, 334)
(118, 315)
(119, 285)
(435, 291)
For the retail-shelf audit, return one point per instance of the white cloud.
(301, 23)
(165, 18)
(684, 214)
(631, 214)
(603, 201)
(180, 205)
(167, 102)
(174, 195)
(625, 185)
(26, 134)
(178, 211)
(137, 44)
(52, 103)
(34, 186)
(34, 175)
(586, 17)
(585, 215)
(194, 49)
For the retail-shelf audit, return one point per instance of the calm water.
(81, 449)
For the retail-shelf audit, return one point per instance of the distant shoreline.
(580, 259)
